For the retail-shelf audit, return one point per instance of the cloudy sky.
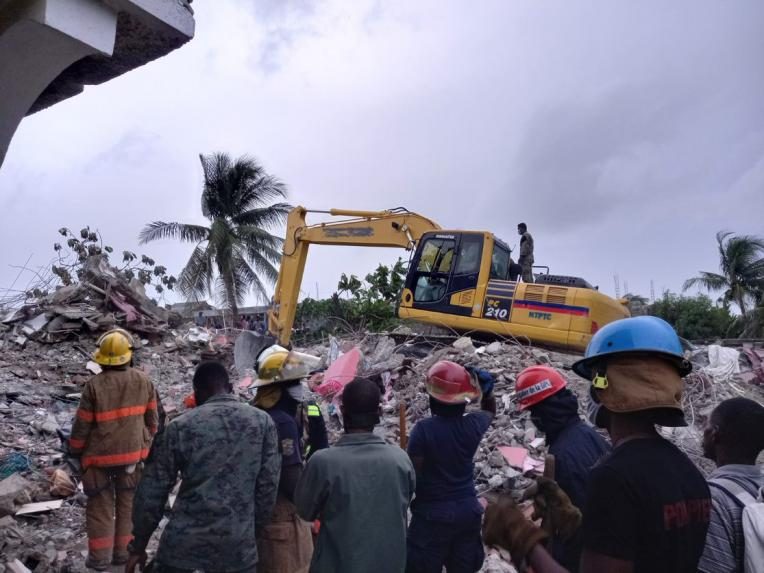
(624, 133)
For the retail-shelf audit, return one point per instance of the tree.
(372, 306)
(741, 266)
(73, 258)
(693, 317)
(236, 252)
(351, 285)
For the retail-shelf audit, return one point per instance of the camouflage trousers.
(108, 515)
(286, 543)
(527, 273)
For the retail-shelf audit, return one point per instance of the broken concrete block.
(17, 566)
(93, 367)
(464, 344)
(20, 340)
(496, 481)
(13, 489)
(494, 348)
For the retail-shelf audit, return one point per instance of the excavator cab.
(467, 281)
(444, 272)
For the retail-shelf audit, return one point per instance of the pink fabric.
(339, 373)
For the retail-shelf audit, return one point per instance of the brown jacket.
(116, 419)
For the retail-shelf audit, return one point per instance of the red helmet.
(450, 383)
(537, 383)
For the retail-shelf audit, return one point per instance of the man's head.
(522, 228)
(360, 405)
(210, 379)
(734, 432)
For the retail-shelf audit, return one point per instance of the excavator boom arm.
(393, 228)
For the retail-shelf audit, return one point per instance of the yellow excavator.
(465, 281)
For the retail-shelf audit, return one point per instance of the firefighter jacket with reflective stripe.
(116, 419)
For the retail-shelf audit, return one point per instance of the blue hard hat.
(646, 334)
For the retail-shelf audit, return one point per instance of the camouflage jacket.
(227, 455)
(526, 247)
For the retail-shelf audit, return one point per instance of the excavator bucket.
(248, 347)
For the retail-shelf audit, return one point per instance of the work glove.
(559, 517)
(484, 378)
(506, 526)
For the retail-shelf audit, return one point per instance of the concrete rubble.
(99, 301)
(41, 380)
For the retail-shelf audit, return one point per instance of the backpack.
(752, 520)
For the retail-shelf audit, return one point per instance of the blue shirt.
(447, 445)
(289, 437)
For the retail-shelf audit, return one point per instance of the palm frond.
(709, 281)
(195, 279)
(264, 217)
(161, 230)
(255, 239)
(249, 279)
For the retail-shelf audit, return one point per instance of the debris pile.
(40, 382)
(99, 301)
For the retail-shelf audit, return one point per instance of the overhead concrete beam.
(51, 49)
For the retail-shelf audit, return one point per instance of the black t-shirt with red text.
(647, 503)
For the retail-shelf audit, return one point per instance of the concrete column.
(39, 39)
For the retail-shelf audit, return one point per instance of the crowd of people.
(254, 322)
(262, 490)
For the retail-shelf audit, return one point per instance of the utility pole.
(617, 282)
(652, 290)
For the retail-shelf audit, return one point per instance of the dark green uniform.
(227, 455)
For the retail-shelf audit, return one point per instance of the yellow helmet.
(277, 364)
(115, 348)
(121, 331)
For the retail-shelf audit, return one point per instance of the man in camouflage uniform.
(227, 455)
(526, 252)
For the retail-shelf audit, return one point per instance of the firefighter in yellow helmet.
(285, 545)
(115, 420)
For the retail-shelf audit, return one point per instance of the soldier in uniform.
(526, 252)
(227, 454)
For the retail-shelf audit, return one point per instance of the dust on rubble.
(41, 377)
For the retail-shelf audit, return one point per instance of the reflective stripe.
(313, 411)
(85, 415)
(100, 543)
(121, 541)
(75, 443)
(115, 459)
(116, 414)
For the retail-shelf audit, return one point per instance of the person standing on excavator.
(285, 545)
(446, 514)
(526, 252)
(115, 420)
(575, 445)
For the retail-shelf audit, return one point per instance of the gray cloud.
(625, 134)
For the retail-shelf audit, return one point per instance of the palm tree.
(236, 252)
(741, 266)
(349, 285)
